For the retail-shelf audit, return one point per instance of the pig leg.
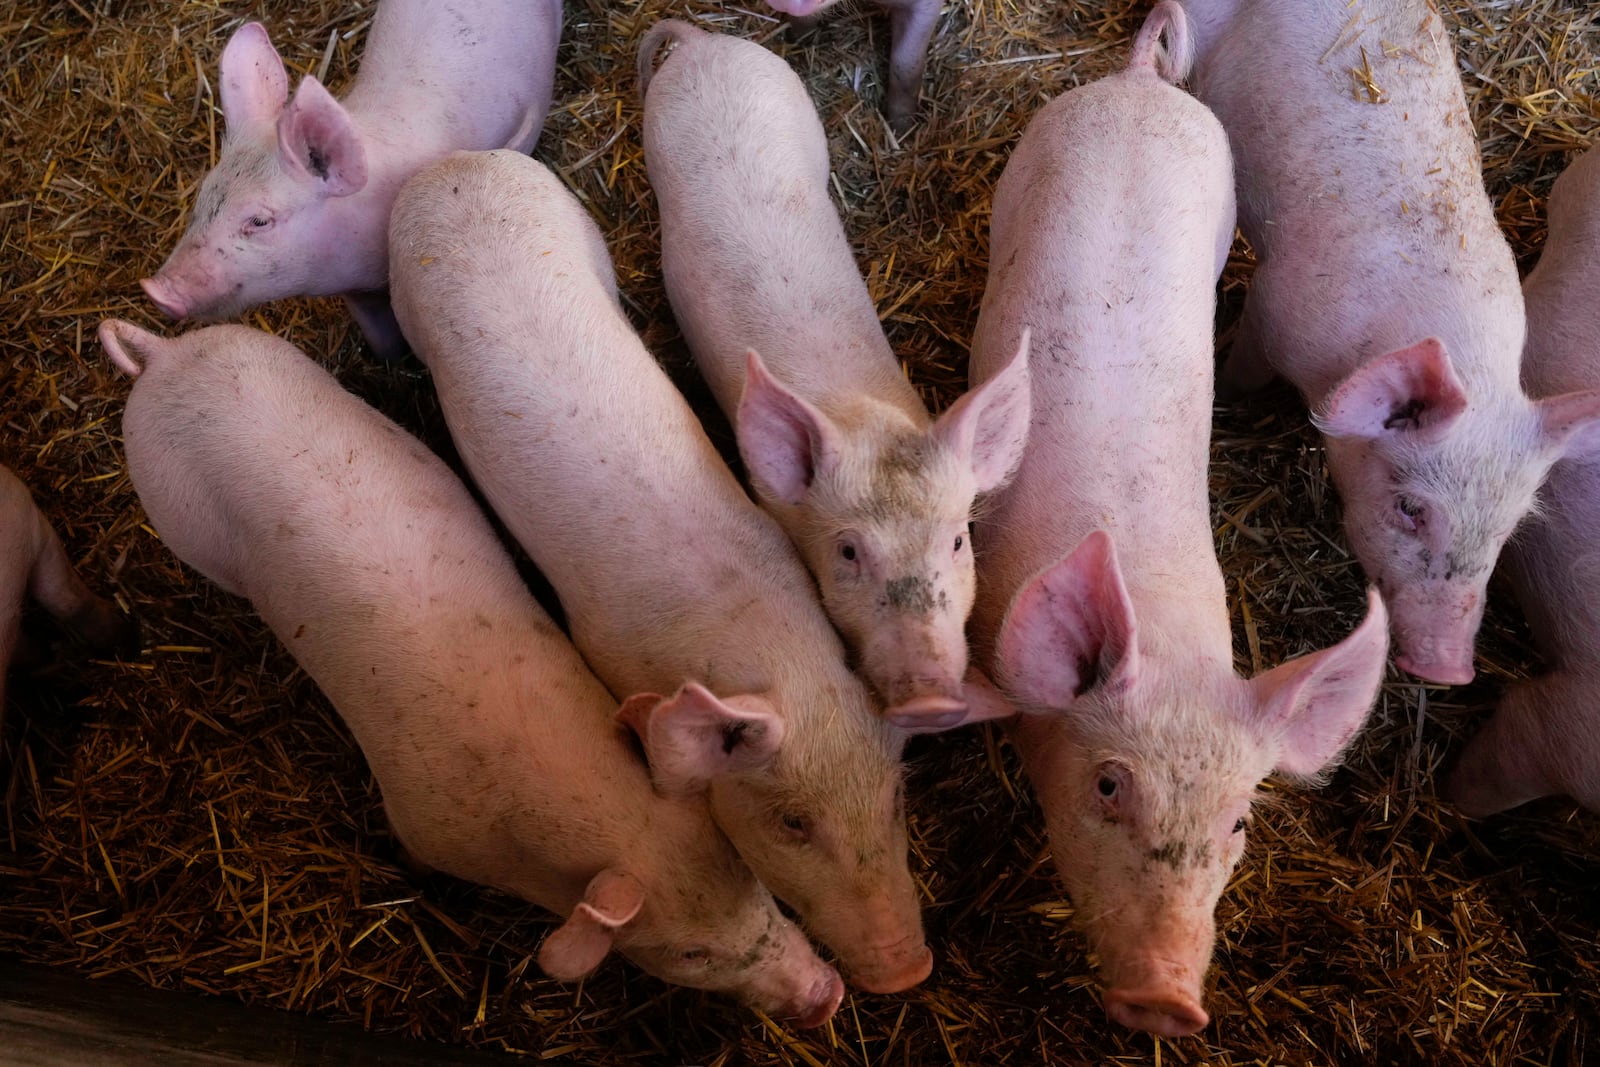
(1246, 369)
(56, 586)
(373, 314)
(911, 24)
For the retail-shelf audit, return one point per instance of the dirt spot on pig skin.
(912, 595)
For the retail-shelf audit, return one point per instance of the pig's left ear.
(988, 426)
(1313, 705)
(692, 737)
(1571, 423)
(785, 441)
(318, 140)
(577, 946)
(1411, 390)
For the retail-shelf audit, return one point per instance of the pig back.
(753, 251)
(1109, 225)
(581, 443)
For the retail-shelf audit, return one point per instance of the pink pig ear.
(1069, 630)
(989, 424)
(1315, 704)
(785, 441)
(692, 736)
(127, 345)
(318, 140)
(577, 946)
(1408, 391)
(1571, 423)
(254, 84)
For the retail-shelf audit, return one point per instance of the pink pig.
(298, 205)
(911, 27)
(1545, 738)
(1386, 293)
(33, 565)
(1111, 224)
(671, 579)
(492, 742)
(841, 451)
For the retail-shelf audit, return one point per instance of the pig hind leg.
(1245, 369)
(378, 325)
(911, 23)
(56, 586)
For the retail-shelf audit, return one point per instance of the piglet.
(34, 566)
(1386, 293)
(492, 742)
(299, 203)
(911, 27)
(1101, 608)
(672, 580)
(840, 449)
(1545, 737)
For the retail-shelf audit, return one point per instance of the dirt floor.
(198, 817)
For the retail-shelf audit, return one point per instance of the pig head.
(1434, 477)
(1145, 757)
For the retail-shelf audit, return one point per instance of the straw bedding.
(197, 817)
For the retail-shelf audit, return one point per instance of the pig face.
(709, 925)
(264, 210)
(1145, 759)
(820, 818)
(883, 524)
(1432, 487)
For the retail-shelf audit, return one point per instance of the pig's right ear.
(692, 737)
(1069, 630)
(785, 441)
(123, 341)
(1408, 391)
(254, 83)
(577, 946)
(317, 139)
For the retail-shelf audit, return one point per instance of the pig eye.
(1107, 786)
(1238, 827)
(848, 552)
(257, 223)
(796, 826)
(1110, 788)
(960, 540)
(695, 955)
(1409, 513)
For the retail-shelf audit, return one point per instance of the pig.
(493, 744)
(1386, 293)
(875, 495)
(911, 27)
(298, 204)
(1545, 737)
(672, 580)
(1101, 610)
(34, 566)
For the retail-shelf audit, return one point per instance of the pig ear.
(128, 346)
(692, 736)
(577, 946)
(1408, 391)
(318, 140)
(1314, 705)
(1069, 630)
(785, 441)
(254, 84)
(989, 425)
(1571, 423)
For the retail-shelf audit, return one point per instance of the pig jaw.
(824, 829)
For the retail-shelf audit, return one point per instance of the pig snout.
(818, 1003)
(926, 700)
(166, 297)
(893, 968)
(1159, 996)
(1434, 640)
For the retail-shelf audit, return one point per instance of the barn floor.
(197, 818)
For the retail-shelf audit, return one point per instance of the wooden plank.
(52, 1017)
